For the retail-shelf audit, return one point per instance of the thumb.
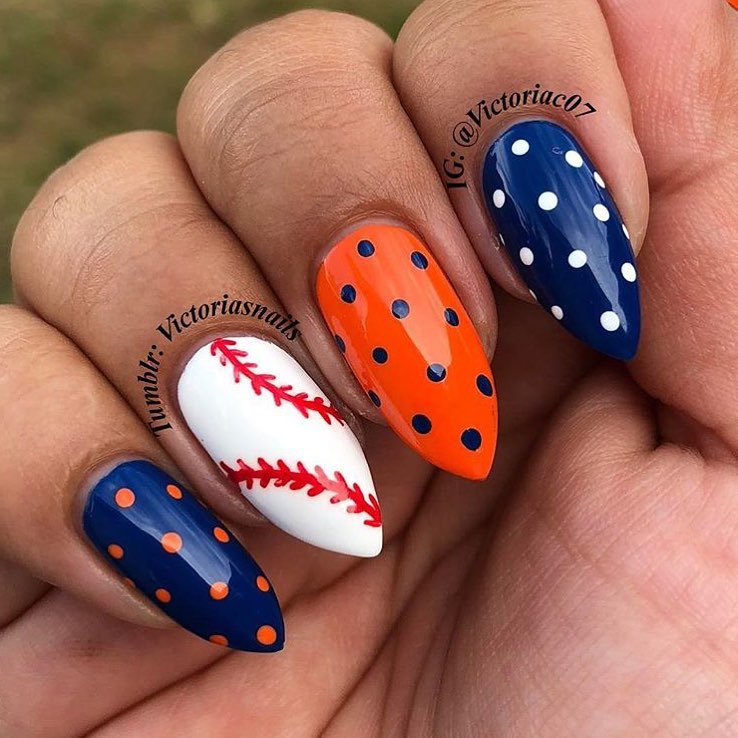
(689, 264)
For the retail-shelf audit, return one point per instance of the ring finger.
(162, 297)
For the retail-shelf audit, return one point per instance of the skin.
(589, 587)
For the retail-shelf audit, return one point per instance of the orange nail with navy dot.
(406, 336)
(166, 545)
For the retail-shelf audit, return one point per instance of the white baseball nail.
(271, 429)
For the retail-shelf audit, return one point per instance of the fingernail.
(176, 552)
(563, 233)
(269, 427)
(405, 334)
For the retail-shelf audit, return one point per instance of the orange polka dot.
(221, 534)
(115, 551)
(171, 542)
(266, 635)
(124, 497)
(219, 591)
(174, 491)
(129, 583)
(163, 595)
(262, 584)
(219, 640)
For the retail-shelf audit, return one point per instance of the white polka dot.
(520, 147)
(557, 312)
(609, 321)
(502, 240)
(577, 259)
(547, 201)
(526, 256)
(601, 212)
(599, 180)
(625, 231)
(498, 198)
(533, 295)
(573, 159)
(628, 271)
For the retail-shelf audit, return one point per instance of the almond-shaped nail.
(564, 234)
(176, 552)
(405, 334)
(270, 429)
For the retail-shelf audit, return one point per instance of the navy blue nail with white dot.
(563, 233)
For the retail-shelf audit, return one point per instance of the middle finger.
(298, 140)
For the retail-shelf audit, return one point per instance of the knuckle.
(336, 24)
(272, 87)
(80, 184)
(76, 223)
(425, 28)
(25, 342)
(433, 31)
(306, 36)
(41, 367)
(278, 55)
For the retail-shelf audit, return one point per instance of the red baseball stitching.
(316, 482)
(304, 404)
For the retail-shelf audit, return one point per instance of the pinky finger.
(76, 468)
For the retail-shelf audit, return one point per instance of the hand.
(587, 587)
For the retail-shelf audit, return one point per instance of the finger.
(690, 261)
(62, 486)
(157, 291)
(550, 173)
(360, 198)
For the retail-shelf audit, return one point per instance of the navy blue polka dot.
(452, 317)
(436, 372)
(422, 423)
(374, 397)
(348, 293)
(419, 260)
(400, 309)
(471, 438)
(484, 385)
(379, 355)
(340, 343)
(365, 248)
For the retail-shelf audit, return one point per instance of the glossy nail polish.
(405, 334)
(563, 233)
(171, 548)
(273, 432)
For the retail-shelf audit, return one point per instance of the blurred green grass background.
(74, 71)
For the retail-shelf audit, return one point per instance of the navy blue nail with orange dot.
(563, 233)
(172, 549)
